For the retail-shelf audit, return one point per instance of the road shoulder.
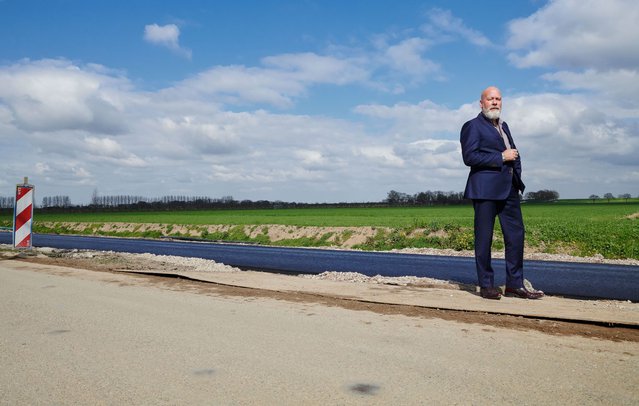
(610, 320)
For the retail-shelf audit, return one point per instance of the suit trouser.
(512, 226)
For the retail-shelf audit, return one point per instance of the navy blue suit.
(494, 187)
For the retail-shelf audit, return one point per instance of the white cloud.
(311, 159)
(167, 36)
(407, 57)
(284, 78)
(110, 151)
(309, 67)
(381, 155)
(443, 23)
(433, 154)
(419, 120)
(398, 62)
(63, 173)
(620, 84)
(201, 135)
(53, 95)
(42, 168)
(578, 34)
(81, 173)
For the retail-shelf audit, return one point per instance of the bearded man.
(494, 184)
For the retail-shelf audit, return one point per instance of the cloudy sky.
(311, 100)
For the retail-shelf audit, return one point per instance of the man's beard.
(491, 114)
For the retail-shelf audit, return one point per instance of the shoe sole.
(522, 297)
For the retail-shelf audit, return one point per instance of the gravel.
(380, 280)
(534, 256)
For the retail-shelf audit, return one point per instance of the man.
(493, 185)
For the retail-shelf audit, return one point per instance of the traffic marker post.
(23, 215)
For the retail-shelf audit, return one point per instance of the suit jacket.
(490, 178)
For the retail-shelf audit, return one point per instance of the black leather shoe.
(524, 293)
(490, 293)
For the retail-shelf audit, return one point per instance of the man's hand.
(510, 155)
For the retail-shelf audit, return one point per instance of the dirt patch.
(345, 237)
(421, 232)
(118, 262)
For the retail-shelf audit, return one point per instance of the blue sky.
(314, 101)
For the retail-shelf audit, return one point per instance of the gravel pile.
(378, 279)
(194, 264)
(145, 261)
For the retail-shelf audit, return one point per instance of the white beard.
(491, 114)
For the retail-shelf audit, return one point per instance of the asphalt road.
(94, 338)
(619, 282)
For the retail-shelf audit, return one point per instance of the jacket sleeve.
(474, 155)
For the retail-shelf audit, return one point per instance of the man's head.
(490, 102)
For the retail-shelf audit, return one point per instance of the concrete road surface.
(83, 337)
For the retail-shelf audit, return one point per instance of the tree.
(227, 199)
(625, 196)
(94, 197)
(7, 202)
(609, 196)
(542, 196)
(428, 197)
(56, 201)
(424, 197)
(394, 197)
(594, 197)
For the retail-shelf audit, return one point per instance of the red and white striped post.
(23, 215)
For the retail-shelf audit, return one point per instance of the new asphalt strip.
(577, 280)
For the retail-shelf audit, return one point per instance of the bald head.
(490, 102)
(490, 90)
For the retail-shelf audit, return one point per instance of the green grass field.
(582, 229)
(325, 217)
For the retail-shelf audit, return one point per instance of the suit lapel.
(493, 130)
(510, 137)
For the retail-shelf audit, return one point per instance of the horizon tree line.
(168, 202)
